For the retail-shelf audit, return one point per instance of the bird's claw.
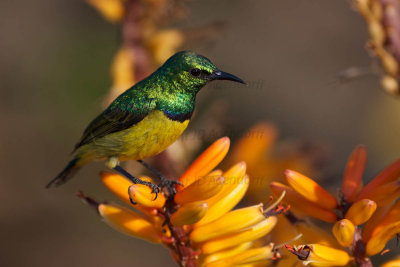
(154, 189)
(170, 185)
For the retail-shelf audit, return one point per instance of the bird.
(145, 119)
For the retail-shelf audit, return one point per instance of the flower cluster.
(383, 20)
(197, 224)
(267, 159)
(363, 220)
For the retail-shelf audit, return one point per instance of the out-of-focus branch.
(383, 20)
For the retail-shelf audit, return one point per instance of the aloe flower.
(199, 225)
(363, 219)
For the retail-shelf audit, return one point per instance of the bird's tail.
(66, 174)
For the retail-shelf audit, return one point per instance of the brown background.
(54, 70)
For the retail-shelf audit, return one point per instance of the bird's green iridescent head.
(190, 71)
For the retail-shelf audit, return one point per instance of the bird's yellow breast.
(147, 138)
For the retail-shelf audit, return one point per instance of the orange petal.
(389, 174)
(189, 213)
(202, 189)
(387, 216)
(310, 190)
(206, 162)
(142, 195)
(233, 221)
(354, 171)
(343, 231)
(119, 185)
(392, 263)
(128, 222)
(361, 211)
(301, 204)
(372, 224)
(250, 256)
(228, 252)
(255, 232)
(378, 242)
(319, 255)
(225, 201)
(383, 194)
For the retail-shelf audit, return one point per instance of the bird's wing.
(114, 119)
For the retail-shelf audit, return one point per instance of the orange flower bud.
(373, 223)
(255, 255)
(128, 222)
(119, 185)
(189, 213)
(343, 231)
(352, 179)
(310, 190)
(252, 233)
(378, 241)
(392, 263)
(227, 253)
(233, 221)
(207, 161)
(389, 174)
(361, 211)
(319, 255)
(225, 200)
(202, 189)
(301, 204)
(142, 195)
(382, 229)
(383, 194)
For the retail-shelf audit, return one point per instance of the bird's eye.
(195, 72)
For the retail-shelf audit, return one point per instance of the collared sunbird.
(147, 118)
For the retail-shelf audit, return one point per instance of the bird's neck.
(178, 106)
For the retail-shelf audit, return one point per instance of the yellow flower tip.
(142, 195)
(112, 10)
(392, 263)
(231, 240)
(189, 213)
(361, 211)
(202, 189)
(250, 256)
(320, 255)
(389, 174)
(383, 194)
(343, 231)
(352, 179)
(233, 191)
(378, 241)
(310, 190)
(302, 204)
(233, 221)
(382, 227)
(128, 222)
(206, 162)
(117, 184)
(227, 253)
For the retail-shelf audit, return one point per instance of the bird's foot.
(170, 185)
(154, 188)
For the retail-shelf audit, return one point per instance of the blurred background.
(55, 73)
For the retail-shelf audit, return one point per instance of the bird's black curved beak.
(220, 75)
